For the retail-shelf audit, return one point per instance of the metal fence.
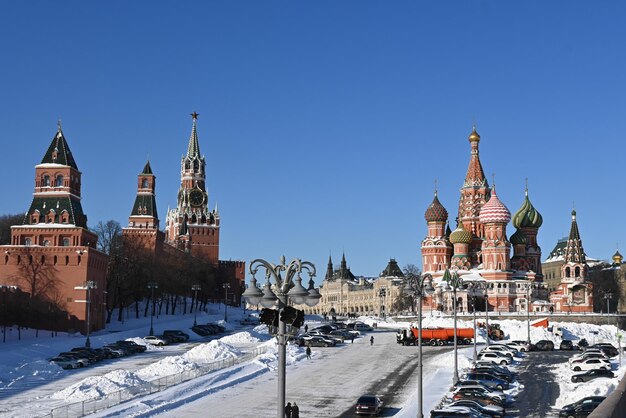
(83, 408)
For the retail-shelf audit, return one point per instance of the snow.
(30, 384)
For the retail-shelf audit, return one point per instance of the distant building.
(344, 294)
(53, 255)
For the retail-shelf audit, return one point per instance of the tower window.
(28, 242)
(46, 243)
(66, 242)
(59, 181)
(144, 184)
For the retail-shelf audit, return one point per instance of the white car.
(519, 346)
(492, 393)
(66, 362)
(500, 349)
(580, 357)
(154, 340)
(591, 364)
(496, 357)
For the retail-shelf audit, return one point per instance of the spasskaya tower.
(191, 225)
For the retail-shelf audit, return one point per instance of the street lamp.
(152, 286)
(89, 284)
(528, 289)
(382, 293)
(607, 297)
(474, 287)
(226, 286)
(195, 288)
(454, 282)
(419, 286)
(284, 288)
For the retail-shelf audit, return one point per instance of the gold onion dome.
(474, 137)
(460, 235)
(436, 212)
(527, 216)
(519, 237)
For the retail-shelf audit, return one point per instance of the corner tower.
(191, 225)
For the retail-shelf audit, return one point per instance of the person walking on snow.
(372, 340)
(295, 411)
(288, 410)
(308, 352)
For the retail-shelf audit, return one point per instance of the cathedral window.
(59, 181)
(46, 181)
(567, 272)
(46, 243)
(577, 272)
(28, 242)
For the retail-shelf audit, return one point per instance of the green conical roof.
(59, 152)
(527, 216)
(147, 170)
(519, 237)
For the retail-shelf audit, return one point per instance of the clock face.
(196, 197)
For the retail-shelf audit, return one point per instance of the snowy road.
(325, 386)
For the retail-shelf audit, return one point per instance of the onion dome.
(460, 235)
(474, 137)
(436, 212)
(527, 216)
(494, 211)
(519, 237)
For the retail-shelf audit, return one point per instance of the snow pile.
(98, 386)
(269, 359)
(215, 350)
(240, 338)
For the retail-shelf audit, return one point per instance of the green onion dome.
(460, 235)
(436, 212)
(519, 237)
(527, 216)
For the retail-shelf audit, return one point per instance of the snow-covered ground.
(30, 386)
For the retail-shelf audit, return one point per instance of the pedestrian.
(306, 328)
(295, 411)
(372, 340)
(288, 410)
(352, 339)
(308, 352)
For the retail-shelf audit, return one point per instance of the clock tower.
(191, 225)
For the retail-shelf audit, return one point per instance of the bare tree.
(411, 269)
(6, 222)
(109, 234)
(40, 277)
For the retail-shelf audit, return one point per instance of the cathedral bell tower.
(191, 225)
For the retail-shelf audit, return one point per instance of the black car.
(566, 345)
(608, 349)
(203, 331)
(495, 373)
(133, 346)
(368, 405)
(591, 374)
(582, 408)
(544, 345)
(483, 408)
(180, 336)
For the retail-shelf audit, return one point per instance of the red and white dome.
(494, 211)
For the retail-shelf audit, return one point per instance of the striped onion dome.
(436, 212)
(460, 235)
(494, 211)
(519, 237)
(527, 216)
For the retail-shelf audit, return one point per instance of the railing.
(90, 406)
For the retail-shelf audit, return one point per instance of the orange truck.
(435, 336)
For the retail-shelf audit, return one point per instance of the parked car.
(566, 345)
(496, 357)
(114, 351)
(369, 405)
(477, 393)
(133, 346)
(203, 331)
(582, 408)
(592, 363)
(488, 379)
(316, 341)
(608, 349)
(500, 349)
(544, 345)
(586, 356)
(498, 371)
(520, 346)
(154, 340)
(455, 412)
(66, 363)
(359, 326)
(592, 374)
(249, 320)
(483, 408)
(82, 358)
(181, 337)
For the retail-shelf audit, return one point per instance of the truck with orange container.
(435, 336)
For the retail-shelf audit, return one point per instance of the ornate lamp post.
(419, 286)
(152, 286)
(284, 288)
(607, 297)
(382, 293)
(195, 288)
(226, 286)
(474, 287)
(454, 282)
(89, 284)
(528, 294)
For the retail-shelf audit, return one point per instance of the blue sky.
(324, 123)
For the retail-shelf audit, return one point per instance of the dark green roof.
(58, 204)
(147, 170)
(392, 270)
(147, 201)
(59, 152)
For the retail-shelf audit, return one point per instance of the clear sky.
(324, 123)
